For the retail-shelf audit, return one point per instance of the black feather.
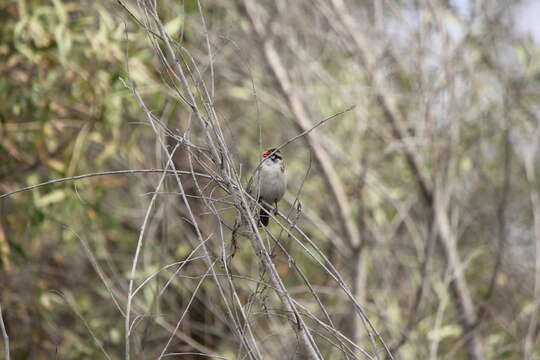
(264, 216)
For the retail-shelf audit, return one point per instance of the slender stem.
(104, 173)
(4, 334)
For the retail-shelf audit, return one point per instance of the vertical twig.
(4, 334)
(127, 327)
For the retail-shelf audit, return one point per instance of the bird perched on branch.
(271, 183)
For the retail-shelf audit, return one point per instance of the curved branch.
(105, 173)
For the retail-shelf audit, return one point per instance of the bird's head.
(276, 156)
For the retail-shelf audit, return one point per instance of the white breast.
(272, 181)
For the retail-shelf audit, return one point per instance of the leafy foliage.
(425, 197)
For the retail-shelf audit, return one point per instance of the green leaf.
(445, 332)
(173, 26)
(51, 198)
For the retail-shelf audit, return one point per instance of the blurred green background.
(464, 80)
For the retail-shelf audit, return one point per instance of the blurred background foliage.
(64, 111)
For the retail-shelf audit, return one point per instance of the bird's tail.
(264, 215)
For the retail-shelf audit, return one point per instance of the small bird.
(271, 182)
